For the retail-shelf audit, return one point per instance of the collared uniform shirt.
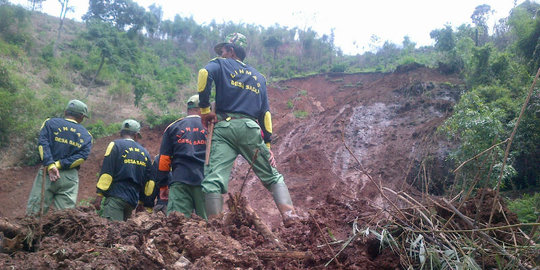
(127, 173)
(64, 143)
(240, 88)
(182, 151)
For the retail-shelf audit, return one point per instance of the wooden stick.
(250, 167)
(485, 236)
(260, 226)
(511, 139)
(324, 238)
(273, 254)
(478, 155)
(209, 143)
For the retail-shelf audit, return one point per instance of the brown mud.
(388, 120)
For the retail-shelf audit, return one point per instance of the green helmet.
(193, 102)
(78, 107)
(131, 125)
(234, 38)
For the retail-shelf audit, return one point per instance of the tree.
(103, 35)
(444, 38)
(479, 18)
(36, 4)
(64, 9)
(123, 14)
(152, 20)
(524, 23)
(273, 42)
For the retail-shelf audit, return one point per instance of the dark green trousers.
(114, 208)
(62, 192)
(231, 138)
(185, 198)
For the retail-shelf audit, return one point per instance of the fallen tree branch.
(238, 205)
(272, 254)
(485, 236)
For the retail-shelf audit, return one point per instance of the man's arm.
(79, 156)
(265, 117)
(44, 146)
(107, 169)
(147, 195)
(204, 88)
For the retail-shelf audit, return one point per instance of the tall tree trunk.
(63, 12)
(95, 76)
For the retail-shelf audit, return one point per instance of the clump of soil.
(78, 238)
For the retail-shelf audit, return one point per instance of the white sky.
(354, 22)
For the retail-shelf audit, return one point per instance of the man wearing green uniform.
(242, 111)
(63, 146)
(182, 152)
(126, 176)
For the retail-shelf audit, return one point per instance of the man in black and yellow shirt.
(125, 178)
(63, 146)
(242, 111)
(182, 151)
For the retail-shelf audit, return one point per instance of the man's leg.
(113, 208)
(67, 188)
(268, 175)
(179, 199)
(198, 201)
(34, 200)
(217, 172)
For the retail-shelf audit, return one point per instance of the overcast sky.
(354, 22)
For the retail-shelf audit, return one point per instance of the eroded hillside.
(386, 120)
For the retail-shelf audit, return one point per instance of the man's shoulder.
(174, 124)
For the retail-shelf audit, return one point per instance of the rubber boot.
(213, 203)
(283, 201)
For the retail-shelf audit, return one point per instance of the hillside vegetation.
(125, 61)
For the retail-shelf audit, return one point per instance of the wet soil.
(330, 132)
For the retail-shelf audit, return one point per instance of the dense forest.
(126, 51)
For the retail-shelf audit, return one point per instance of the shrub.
(154, 119)
(527, 208)
(300, 114)
(338, 67)
(100, 129)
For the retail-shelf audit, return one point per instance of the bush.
(154, 119)
(76, 62)
(527, 208)
(100, 129)
(338, 68)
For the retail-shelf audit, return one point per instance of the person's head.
(76, 110)
(234, 46)
(130, 128)
(193, 105)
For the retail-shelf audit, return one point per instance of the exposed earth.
(335, 136)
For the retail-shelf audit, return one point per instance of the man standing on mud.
(183, 148)
(125, 177)
(242, 110)
(63, 146)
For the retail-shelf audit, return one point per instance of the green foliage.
(339, 67)
(527, 208)
(444, 38)
(14, 24)
(7, 102)
(100, 129)
(477, 123)
(525, 24)
(290, 104)
(165, 119)
(300, 114)
(76, 62)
